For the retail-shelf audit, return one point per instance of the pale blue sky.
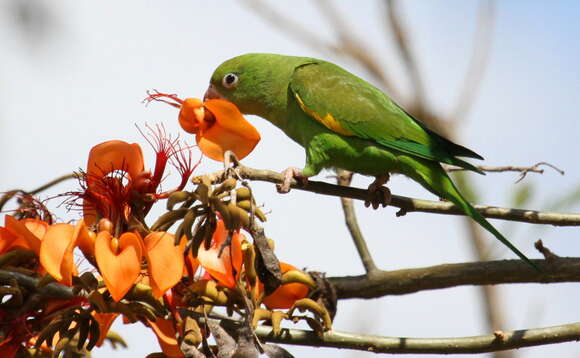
(84, 86)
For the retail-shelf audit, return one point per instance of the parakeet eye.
(230, 80)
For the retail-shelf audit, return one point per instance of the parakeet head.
(253, 82)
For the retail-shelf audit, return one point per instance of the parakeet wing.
(350, 106)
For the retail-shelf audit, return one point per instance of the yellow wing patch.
(328, 120)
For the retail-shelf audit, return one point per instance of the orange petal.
(191, 265)
(230, 131)
(119, 269)
(285, 296)
(114, 155)
(191, 116)
(222, 268)
(165, 261)
(85, 239)
(8, 240)
(22, 229)
(166, 334)
(56, 252)
(105, 321)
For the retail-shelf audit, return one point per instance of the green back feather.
(370, 114)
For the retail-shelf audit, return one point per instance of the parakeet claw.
(289, 174)
(378, 194)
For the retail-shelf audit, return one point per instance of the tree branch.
(508, 168)
(344, 178)
(400, 282)
(10, 194)
(500, 340)
(407, 204)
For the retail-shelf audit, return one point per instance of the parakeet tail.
(433, 178)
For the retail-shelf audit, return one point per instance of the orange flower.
(105, 321)
(165, 261)
(219, 125)
(26, 233)
(165, 332)
(285, 296)
(111, 170)
(116, 183)
(119, 261)
(223, 268)
(56, 251)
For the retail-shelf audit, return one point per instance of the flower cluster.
(56, 300)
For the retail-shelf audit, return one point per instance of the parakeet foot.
(378, 194)
(289, 174)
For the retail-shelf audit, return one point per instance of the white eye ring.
(230, 80)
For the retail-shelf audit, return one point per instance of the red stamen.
(157, 96)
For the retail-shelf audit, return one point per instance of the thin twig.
(344, 178)
(407, 204)
(501, 340)
(401, 282)
(10, 194)
(509, 168)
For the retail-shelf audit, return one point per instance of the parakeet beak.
(212, 93)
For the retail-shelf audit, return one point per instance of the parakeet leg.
(289, 174)
(379, 194)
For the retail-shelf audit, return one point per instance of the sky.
(80, 80)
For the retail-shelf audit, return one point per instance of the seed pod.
(169, 218)
(243, 193)
(84, 327)
(247, 206)
(176, 198)
(260, 314)
(276, 319)
(95, 334)
(297, 276)
(188, 221)
(306, 304)
(227, 185)
(193, 336)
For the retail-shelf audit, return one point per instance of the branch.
(406, 204)
(509, 168)
(10, 194)
(400, 282)
(344, 178)
(500, 340)
(51, 290)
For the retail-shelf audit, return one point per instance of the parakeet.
(344, 122)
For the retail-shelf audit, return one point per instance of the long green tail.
(433, 178)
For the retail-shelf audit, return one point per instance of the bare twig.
(479, 60)
(396, 345)
(407, 204)
(344, 178)
(509, 168)
(548, 254)
(10, 194)
(401, 282)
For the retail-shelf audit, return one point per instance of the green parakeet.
(344, 122)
